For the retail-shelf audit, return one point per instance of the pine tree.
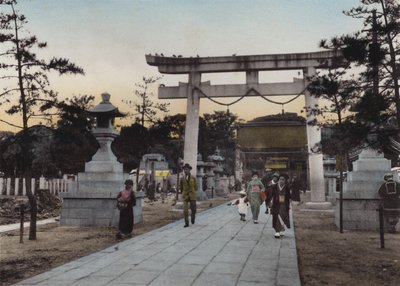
(27, 88)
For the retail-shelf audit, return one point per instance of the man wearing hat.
(188, 190)
(390, 194)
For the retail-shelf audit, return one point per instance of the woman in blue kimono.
(254, 188)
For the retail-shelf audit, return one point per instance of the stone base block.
(110, 183)
(360, 214)
(201, 196)
(95, 209)
(103, 166)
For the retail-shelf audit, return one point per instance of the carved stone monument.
(360, 191)
(94, 201)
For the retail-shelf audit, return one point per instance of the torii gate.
(195, 89)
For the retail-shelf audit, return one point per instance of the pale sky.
(109, 40)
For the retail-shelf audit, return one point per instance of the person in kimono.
(280, 196)
(268, 190)
(242, 203)
(126, 201)
(254, 187)
(188, 189)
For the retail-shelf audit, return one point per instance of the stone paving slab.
(218, 250)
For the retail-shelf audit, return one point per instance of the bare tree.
(145, 108)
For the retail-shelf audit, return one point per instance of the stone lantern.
(200, 194)
(218, 170)
(94, 201)
(104, 160)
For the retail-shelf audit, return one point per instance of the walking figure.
(188, 190)
(254, 188)
(242, 203)
(280, 206)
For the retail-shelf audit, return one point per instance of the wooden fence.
(17, 186)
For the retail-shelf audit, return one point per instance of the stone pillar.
(1, 185)
(200, 194)
(8, 183)
(210, 183)
(24, 187)
(33, 185)
(42, 182)
(192, 121)
(315, 159)
(16, 187)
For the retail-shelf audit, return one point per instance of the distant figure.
(188, 189)
(254, 188)
(151, 192)
(295, 186)
(126, 201)
(280, 206)
(146, 187)
(390, 194)
(242, 203)
(237, 186)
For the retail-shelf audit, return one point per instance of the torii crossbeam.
(251, 65)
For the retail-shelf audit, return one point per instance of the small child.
(242, 203)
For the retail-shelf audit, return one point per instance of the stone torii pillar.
(251, 65)
(192, 121)
(315, 158)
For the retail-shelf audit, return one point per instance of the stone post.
(41, 182)
(200, 194)
(210, 178)
(315, 159)
(16, 187)
(192, 121)
(1, 185)
(8, 191)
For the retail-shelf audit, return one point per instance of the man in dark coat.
(390, 194)
(188, 190)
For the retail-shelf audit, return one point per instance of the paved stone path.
(15, 226)
(218, 250)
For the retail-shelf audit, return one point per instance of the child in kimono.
(242, 203)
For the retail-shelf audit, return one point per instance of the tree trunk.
(25, 143)
(33, 206)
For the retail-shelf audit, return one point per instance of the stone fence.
(17, 186)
